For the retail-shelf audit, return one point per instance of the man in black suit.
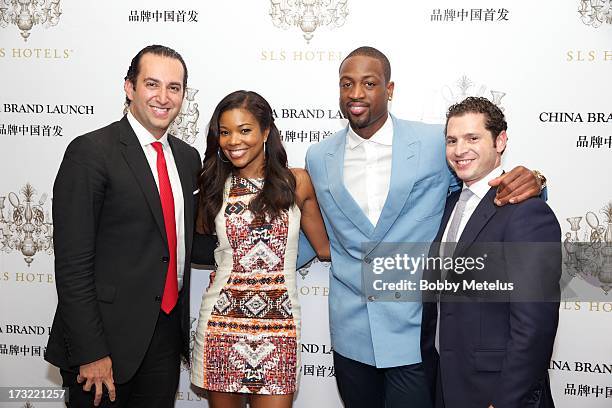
(123, 211)
(491, 347)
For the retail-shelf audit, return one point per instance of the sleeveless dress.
(247, 338)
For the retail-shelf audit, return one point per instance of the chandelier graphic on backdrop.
(27, 228)
(590, 256)
(28, 13)
(308, 15)
(464, 87)
(595, 12)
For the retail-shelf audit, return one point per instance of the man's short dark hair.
(155, 49)
(495, 122)
(372, 53)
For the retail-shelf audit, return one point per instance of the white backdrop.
(544, 62)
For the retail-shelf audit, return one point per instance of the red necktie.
(170, 296)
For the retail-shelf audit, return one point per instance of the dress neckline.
(255, 182)
(248, 178)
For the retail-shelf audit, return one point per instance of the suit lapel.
(451, 201)
(404, 163)
(481, 216)
(334, 163)
(434, 250)
(137, 161)
(187, 185)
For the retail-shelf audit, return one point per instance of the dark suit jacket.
(497, 352)
(111, 252)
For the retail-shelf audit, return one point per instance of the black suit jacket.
(497, 352)
(111, 252)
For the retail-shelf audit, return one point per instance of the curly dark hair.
(278, 192)
(495, 121)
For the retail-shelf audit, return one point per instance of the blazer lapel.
(404, 163)
(481, 216)
(434, 250)
(334, 163)
(187, 186)
(451, 201)
(137, 161)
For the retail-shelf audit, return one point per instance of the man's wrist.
(540, 177)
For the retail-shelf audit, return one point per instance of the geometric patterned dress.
(247, 338)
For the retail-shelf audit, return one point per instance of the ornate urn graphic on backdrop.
(464, 87)
(25, 14)
(185, 365)
(588, 252)
(185, 126)
(26, 228)
(595, 12)
(308, 15)
(306, 270)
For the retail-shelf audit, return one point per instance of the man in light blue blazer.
(381, 179)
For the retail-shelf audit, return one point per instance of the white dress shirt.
(480, 189)
(146, 139)
(367, 169)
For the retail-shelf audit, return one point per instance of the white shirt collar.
(482, 187)
(144, 136)
(384, 135)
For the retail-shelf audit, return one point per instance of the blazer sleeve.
(306, 253)
(78, 197)
(455, 183)
(533, 322)
(203, 251)
(204, 245)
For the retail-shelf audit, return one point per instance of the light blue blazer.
(381, 334)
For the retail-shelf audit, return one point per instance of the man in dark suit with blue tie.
(491, 347)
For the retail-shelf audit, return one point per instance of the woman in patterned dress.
(247, 339)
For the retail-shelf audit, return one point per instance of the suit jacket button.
(165, 259)
(158, 298)
(371, 298)
(398, 295)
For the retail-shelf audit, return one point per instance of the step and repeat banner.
(547, 64)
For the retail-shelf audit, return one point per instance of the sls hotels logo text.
(308, 15)
(25, 14)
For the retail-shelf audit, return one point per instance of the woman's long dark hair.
(278, 192)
